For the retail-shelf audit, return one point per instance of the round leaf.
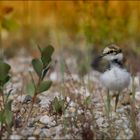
(38, 66)
(44, 86)
(8, 116)
(2, 116)
(46, 54)
(30, 89)
(4, 69)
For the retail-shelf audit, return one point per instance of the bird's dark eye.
(111, 51)
(120, 51)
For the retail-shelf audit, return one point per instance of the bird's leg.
(116, 101)
(108, 101)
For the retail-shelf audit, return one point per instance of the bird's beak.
(101, 56)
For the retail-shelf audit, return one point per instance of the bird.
(115, 78)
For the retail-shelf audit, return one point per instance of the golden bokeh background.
(62, 23)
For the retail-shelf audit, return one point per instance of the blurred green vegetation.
(68, 23)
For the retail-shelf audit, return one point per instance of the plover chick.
(116, 78)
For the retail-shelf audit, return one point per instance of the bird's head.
(112, 52)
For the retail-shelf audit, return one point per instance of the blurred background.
(77, 26)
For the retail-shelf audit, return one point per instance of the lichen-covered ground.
(73, 108)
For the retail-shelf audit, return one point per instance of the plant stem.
(32, 104)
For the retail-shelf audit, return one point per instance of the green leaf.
(2, 116)
(30, 89)
(38, 66)
(44, 86)
(58, 105)
(5, 80)
(4, 69)
(9, 105)
(8, 116)
(46, 55)
(88, 101)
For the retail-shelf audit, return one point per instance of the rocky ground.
(73, 108)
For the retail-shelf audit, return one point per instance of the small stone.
(97, 115)
(99, 105)
(100, 121)
(31, 138)
(121, 135)
(27, 131)
(129, 133)
(119, 122)
(137, 95)
(120, 110)
(15, 137)
(51, 132)
(126, 100)
(68, 136)
(47, 120)
(27, 99)
(72, 104)
(31, 124)
(44, 102)
(18, 122)
(80, 111)
(45, 133)
(95, 100)
(105, 124)
(125, 126)
(37, 132)
(53, 76)
(72, 110)
(68, 99)
(21, 98)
